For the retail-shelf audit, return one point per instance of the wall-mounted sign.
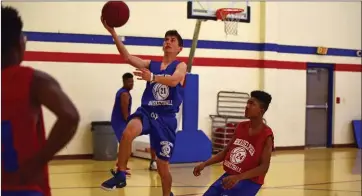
(358, 53)
(322, 50)
(121, 38)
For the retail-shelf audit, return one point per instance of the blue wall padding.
(190, 110)
(357, 130)
(192, 145)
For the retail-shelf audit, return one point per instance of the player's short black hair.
(263, 97)
(11, 29)
(127, 76)
(177, 35)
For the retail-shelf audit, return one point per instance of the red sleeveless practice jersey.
(245, 152)
(22, 127)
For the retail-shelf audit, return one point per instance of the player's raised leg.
(138, 125)
(118, 180)
(133, 129)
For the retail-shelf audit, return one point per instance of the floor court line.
(314, 184)
(192, 186)
(330, 180)
(200, 194)
(331, 190)
(192, 194)
(184, 167)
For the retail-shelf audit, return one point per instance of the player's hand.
(109, 29)
(198, 169)
(230, 181)
(143, 74)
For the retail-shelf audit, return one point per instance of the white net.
(230, 17)
(231, 25)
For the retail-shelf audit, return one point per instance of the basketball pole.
(194, 44)
(192, 144)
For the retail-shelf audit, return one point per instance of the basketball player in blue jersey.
(121, 111)
(122, 106)
(160, 103)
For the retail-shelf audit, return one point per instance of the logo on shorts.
(166, 148)
(237, 155)
(154, 115)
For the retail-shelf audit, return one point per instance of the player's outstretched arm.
(214, 159)
(176, 78)
(130, 59)
(47, 91)
(221, 155)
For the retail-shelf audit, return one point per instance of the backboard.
(206, 10)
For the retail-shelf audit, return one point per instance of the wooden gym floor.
(315, 172)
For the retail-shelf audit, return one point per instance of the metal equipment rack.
(230, 110)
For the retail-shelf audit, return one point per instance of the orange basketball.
(115, 13)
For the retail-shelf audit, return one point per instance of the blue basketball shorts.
(162, 131)
(21, 193)
(118, 131)
(243, 188)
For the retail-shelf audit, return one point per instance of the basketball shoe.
(117, 181)
(153, 165)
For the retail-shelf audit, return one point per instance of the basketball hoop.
(231, 17)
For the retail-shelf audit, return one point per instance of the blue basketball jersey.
(160, 98)
(117, 120)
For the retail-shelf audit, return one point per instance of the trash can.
(105, 144)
